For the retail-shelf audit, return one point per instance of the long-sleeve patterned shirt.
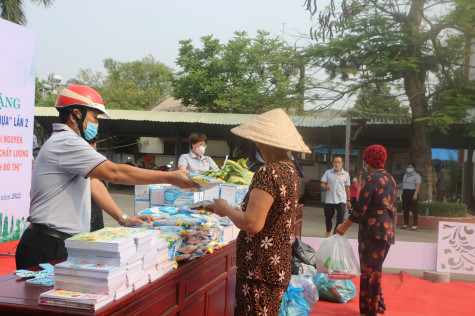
(375, 210)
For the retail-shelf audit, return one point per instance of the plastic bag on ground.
(335, 257)
(303, 255)
(336, 291)
(310, 292)
(293, 304)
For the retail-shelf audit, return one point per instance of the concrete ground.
(313, 225)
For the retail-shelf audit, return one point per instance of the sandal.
(414, 228)
(404, 226)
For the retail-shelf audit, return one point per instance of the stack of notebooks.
(89, 277)
(106, 265)
(65, 298)
(109, 246)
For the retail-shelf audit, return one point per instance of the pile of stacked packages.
(191, 233)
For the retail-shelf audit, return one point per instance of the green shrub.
(439, 209)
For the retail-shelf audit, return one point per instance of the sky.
(81, 34)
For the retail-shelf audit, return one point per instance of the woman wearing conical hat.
(266, 215)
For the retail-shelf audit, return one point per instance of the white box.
(141, 205)
(212, 193)
(157, 196)
(174, 196)
(233, 193)
(244, 189)
(142, 192)
(228, 234)
(235, 232)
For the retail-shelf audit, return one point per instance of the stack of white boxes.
(147, 196)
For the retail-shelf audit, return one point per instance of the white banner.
(17, 99)
(456, 248)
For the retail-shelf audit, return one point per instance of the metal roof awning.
(337, 152)
(314, 129)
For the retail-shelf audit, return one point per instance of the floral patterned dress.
(263, 260)
(375, 212)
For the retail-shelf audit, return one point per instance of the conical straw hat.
(273, 128)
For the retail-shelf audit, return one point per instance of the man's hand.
(326, 187)
(138, 220)
(348, 206)
(218, 207)
(414, 197)
(178, 178)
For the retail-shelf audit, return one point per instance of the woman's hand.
(341, 229)
(414, 197)
(218, 207)
(138, 220)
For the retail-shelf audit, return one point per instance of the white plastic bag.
(335, 257)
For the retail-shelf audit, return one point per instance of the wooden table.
(204, 286)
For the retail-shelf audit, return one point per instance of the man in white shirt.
(336, 182)
(60, 194)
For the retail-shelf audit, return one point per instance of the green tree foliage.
(43, 98)
(414, 43)
(12, 10)
(377, 99)
(136, 85)
(245, 75)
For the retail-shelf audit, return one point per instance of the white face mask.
(200, 151)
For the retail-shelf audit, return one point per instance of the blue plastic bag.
(293, 304)
(310, 292)
(336, 291)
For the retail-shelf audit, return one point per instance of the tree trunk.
(421, 153)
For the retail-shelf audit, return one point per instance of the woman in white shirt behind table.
(196, 161)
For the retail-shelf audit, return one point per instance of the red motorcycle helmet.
(81, 95)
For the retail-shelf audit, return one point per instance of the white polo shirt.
(192, 163)
(60, 191)
(338, 184)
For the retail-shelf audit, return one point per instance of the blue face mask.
(409, 170)
(91, 130)
(259, 158)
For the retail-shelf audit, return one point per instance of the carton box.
(142, 192)
(157, 196)
(140, 205)
(212, 193)
(233, 193)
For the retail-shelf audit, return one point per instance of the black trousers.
(329, 210)
(353, 201)
(408, 204)
(36, 247)
(97, 220)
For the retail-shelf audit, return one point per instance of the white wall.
(152, 145)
